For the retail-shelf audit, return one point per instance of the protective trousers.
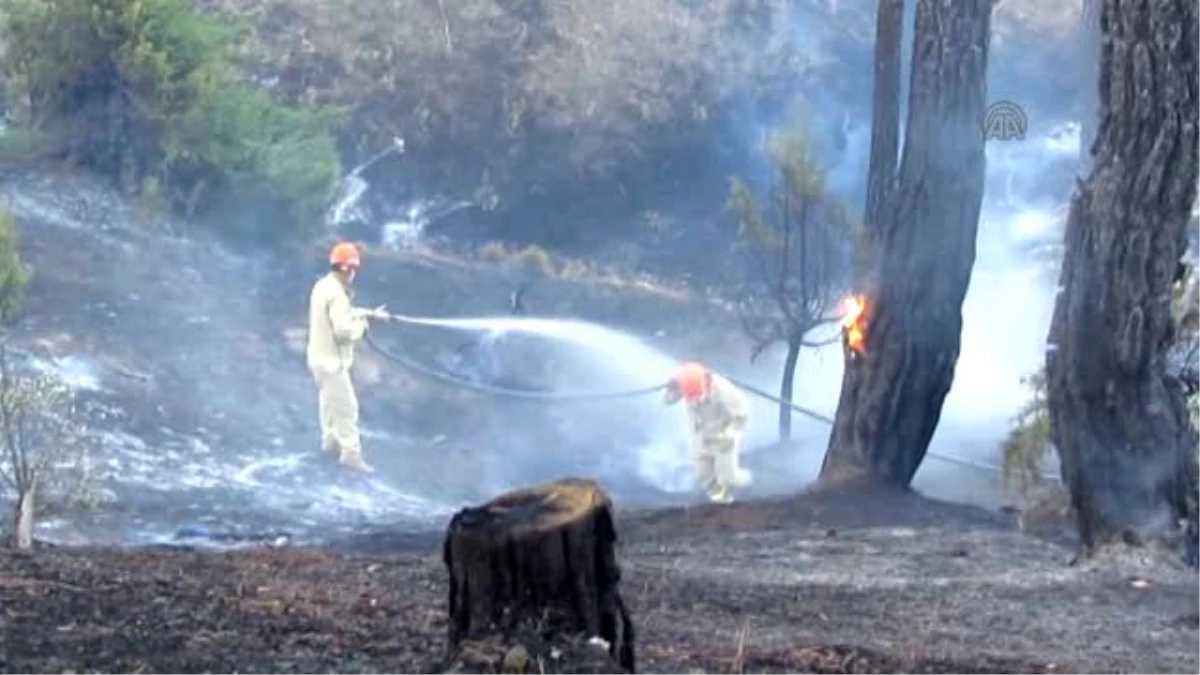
(337, 406)
(717, 467)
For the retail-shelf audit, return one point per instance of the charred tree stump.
(538, 564)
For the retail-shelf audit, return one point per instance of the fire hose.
(829, 420)
(559, 396)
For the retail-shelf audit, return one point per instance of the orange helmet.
(692, 381)
(345, 254)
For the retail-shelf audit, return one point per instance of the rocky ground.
(819, 583)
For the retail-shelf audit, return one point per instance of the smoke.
(221, 433)
(1006, 317)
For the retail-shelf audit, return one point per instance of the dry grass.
(567, 87)
(1047, 508)
(534, 260)
(463, 74)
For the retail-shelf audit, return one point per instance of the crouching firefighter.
(335, 326)
(717, 412)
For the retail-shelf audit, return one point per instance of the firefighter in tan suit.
(335, 326)
(718, 412)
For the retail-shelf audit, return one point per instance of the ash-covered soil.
(818, 583)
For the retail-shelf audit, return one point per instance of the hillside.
(187, 351)
(605, 135)
(187, 356)
(598, 128)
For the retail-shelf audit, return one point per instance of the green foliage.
(798, 239)
(14, 278)
(1024, 451)
(1025, 448)
(147, 90)
(45, 446)
(800, 198)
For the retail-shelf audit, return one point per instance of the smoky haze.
(188, 353)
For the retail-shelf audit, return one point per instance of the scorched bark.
(540, 561)
(920, 253)
(1119, 421)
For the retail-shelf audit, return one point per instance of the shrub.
(530, 260)
(1027, 444)
(44, 453)
(14, 278)
(795, 239)
(147, 91)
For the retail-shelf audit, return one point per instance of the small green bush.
(1029, 441)
(796, 241)
(147, 91)
(14, 278)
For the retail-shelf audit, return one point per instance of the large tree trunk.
(921, 255)
(1119, 422)
(786, 386)
(885, 116)
(1090, 38)
(537, 566)
(23, 518)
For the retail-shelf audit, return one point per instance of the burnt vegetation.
(610, 106)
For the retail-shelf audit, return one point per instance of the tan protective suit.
(334, 329)
(718, 422)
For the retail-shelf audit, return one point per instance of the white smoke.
(1006, 317)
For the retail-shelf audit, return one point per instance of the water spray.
(352, 187)
(484, 323)
(544, 397)
(397, 147)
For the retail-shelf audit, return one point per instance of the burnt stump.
(536, 568)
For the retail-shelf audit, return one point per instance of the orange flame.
(854, 322)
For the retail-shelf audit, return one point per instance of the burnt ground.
(819, 583)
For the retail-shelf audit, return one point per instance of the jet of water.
(422, 212)
(661, 457)
(635, 356)
(345, 207)
(352, 187)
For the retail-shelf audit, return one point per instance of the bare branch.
(798, 247)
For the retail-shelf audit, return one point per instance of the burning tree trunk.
(538, 565)
(920, 250)
(1119, 422)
